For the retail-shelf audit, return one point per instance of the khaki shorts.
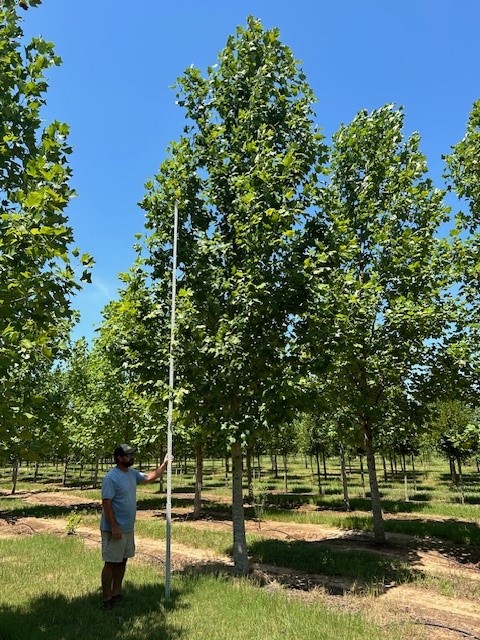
(117, 550)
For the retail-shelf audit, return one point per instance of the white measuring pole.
(168, 569)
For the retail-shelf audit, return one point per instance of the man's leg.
(107, 580)
(117, 578)
(114, 570)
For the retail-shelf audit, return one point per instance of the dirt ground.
(419, 608)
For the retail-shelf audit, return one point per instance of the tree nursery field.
(304, 547)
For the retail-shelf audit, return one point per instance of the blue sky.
(120, 60)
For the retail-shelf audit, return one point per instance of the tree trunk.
(453, 472)
(197, 501)
(385, 474)
(240, 557)
(460, 480)
(362, 475)
(251, 497)
(96, 470)
(65, 469)
(275, 465)
(227, 468)
(414, 474)
(320, 488)
(14, 476)
(324, 465)
(346, 499)
(285, 472)
(378, 524)
(405, 477)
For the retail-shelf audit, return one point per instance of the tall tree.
(377, 276)
(37, 278)
(242, 177)
(462, 355)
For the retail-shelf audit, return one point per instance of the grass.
(364, 566)
(47, 583)
(49, 592)
(451, 586)
(368, 568)
(432, 512)
(452, 530)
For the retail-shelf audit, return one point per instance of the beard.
(129, 463)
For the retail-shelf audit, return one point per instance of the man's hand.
(158, 473)
(116, 532)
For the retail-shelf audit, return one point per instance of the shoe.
(108, 605)
(117, 598)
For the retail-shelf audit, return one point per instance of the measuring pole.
(168, 570)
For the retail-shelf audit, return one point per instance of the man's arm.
(110, 516)
(151, 476)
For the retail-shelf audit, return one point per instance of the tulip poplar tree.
(377, 273)
(463, 175)
(242, 176)
(37, 278)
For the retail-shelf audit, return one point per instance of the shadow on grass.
(55, 617)
(456, 539)
(288, 500)
(436, 533)
(421, 497)
(365, 504)
(302, 490)
(361, 567)
(208, 506)
(48, 511)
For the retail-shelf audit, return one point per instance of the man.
(119, 507)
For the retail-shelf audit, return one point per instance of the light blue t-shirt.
(121, 488)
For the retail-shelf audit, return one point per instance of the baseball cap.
(123, 450)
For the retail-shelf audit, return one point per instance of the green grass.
(189, 535)
(433, 481)
(452, 530)
(433, 511)
(49, 591)
(366, 567)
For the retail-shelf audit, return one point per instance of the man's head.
(123, 455)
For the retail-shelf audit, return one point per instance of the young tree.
(377, 274)
(316, 436)
(456, 433)
(34, 428)
(133, 341)
(242, 178)
(93, 416)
